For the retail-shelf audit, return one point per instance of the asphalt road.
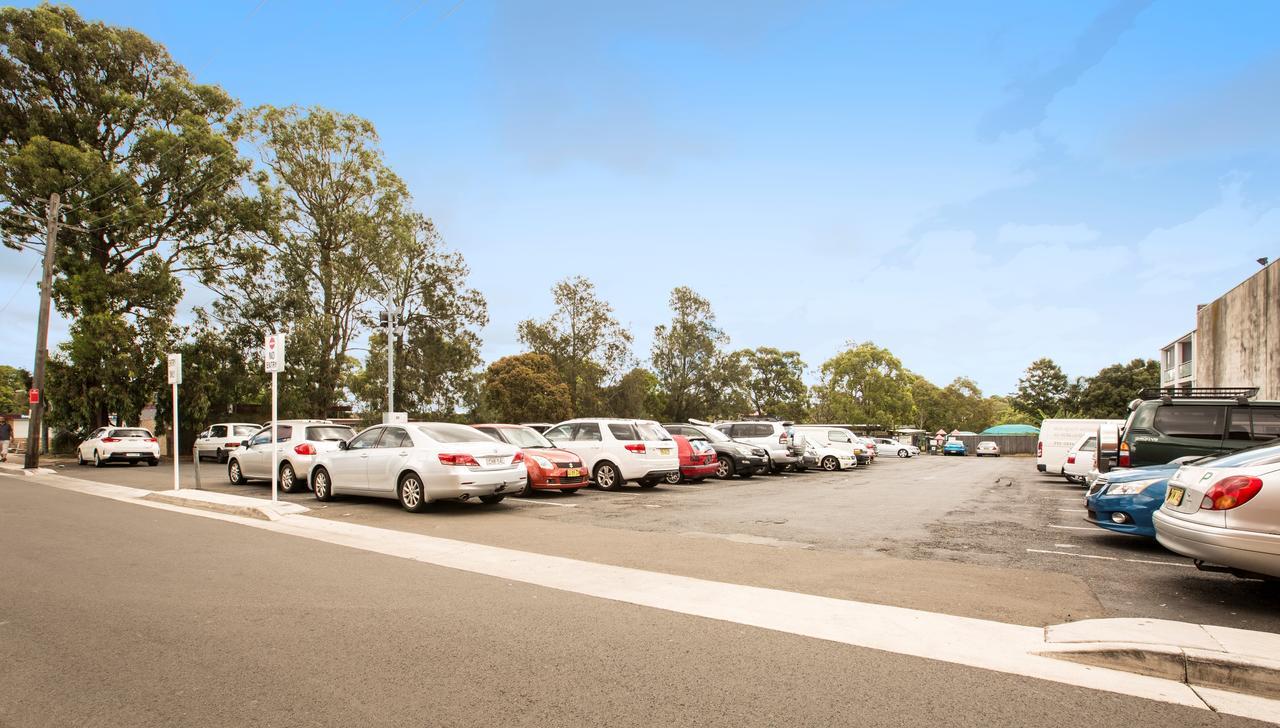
(987, 537)
(113, 614)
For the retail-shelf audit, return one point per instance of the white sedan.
(420, 462)
(987, 447)
(118, 445)
(827, 457)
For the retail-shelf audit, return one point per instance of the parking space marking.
(530, 502)
(1162, 563)
(1068, 553)
(1072, 510)
(1073, 528)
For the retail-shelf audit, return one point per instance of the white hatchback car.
(615, 451)
(298, 442)
(1081, 459)
(890, 446)
(119, 444)
(827, 457)
(420, 462)
(221, 439)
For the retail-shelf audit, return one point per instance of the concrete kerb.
(232, 505)
(1238, 661)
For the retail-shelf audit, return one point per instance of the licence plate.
(572, 473)
(493, 461)
(1174, 498)
(133, 454)
(664, 451)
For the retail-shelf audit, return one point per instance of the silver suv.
(297, 442)
(780, 440)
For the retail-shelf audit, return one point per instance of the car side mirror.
(244, 443)
(342, 444)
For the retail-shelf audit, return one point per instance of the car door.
(1185, 429)
(349, 468)
(387, 460)
(90, 443)
(255, 460)
(212, 439)
(588, 443)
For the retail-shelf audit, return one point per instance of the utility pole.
(390, 319)
(35, 426)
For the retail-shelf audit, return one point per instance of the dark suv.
(1165, 425)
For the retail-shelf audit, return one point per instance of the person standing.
(6, 434)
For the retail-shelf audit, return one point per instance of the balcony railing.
(1184, 369)
(1167, 375)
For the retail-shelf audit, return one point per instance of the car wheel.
(288, 478)
(233, 473)
(97, 459)
(748, 473)
(79, 457)
(903, 453)
(724, 469)
(412, 496)
(219, 456)
(323, 488)
(829, 463)
(527, 490)
(607, 477)
(489, 500)
(153, 463)
(672, 479)
(568, 491)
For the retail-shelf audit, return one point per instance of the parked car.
(420, 462)
(1081, 458)
(890, 446)
(539, 427)
(221, 439)
(131, 445)
(732, 457)
(1125, 500)
(549, 467)
(1057, 436)
(987, 448)
(1224, 512)
(837, 438)
(298, 442)
(828, 457)
(873, 450)
(954, 447)
(1162, 427)
(697, 460)
(779, 439)
(618, 450)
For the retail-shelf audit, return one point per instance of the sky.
(971, 185)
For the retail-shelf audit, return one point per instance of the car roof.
(608, 419)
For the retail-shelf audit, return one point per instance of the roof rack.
(1236, 393)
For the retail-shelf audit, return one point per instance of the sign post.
(175, 378)
(273, 359)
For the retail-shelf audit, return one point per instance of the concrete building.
(1236, 342)
(1177, 363)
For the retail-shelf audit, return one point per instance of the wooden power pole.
(36, 426)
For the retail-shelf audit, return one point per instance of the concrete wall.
(1238, 336)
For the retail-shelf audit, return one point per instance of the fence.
(1009, 444)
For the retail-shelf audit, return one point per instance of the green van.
(1164, 425)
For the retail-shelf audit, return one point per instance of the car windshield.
(1268, 454)
(244, 430)
(525, 437)
(446, 432)
(330, 433)
(649, 431)
(130, 433)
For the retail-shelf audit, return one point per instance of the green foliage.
(1107, 394)
(865, 384)
(524, 388)
(217, 374)
(1043, 391)
(683, 352)
(13, 390)
(637, 393)
(582, 338)
(773, 382)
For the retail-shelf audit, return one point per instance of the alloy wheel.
(411, 493)
(673, 478)
(829, 463)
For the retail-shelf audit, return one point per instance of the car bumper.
(1258, 553)
(558, 478)
(1042, 467)
(750, 462)
(131, 455)
(638, 469)
(699, 471)
(456, 486)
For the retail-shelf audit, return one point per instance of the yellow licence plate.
(1174, 498)
(664, 451)
(572, 473)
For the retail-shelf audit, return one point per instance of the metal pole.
(391, 361)
(275, 454)
(34, 427)
(177, 449)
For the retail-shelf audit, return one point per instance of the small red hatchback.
(697, 461)
(550, 468)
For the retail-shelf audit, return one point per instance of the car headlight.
(543, 463)
(1132, 487)
(743, 450)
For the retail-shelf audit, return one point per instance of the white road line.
(1065, 546)
(1162, 563)
(979, 643)
(1068, 553)
(1073, 528)
(1073, 510)
(531, 502)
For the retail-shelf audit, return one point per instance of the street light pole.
(391, 358)
(36, 423)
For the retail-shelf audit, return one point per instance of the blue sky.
(972, 185)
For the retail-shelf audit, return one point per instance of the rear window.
(1089, 445)
(445, 432)
(649, 431)
(245, 430)
(1195, 421)
(1260, 424)
(130, 433)
(622, 431)
(330, 432)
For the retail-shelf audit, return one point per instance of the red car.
(549, 467)
(697, 460)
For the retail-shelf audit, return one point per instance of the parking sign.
(175, 369)
(273, 352)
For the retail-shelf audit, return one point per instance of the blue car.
(954, 447)
(1124, 500)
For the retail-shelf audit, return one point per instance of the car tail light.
(1071, 459)
(449, 458)
(1231, 492)
(152, 439)
(111, 439)
(305, 448)
(636, 447)
(1124, 455)
(519, 458)
(782, 439)
(1039, 449)
(233, 444)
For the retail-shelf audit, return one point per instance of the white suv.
(615, 451)
(221, 439)
(780, 439)
(297, 442)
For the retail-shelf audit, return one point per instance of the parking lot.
(1003, 540)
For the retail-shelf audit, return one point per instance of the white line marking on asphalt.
(1068, 553)
(1162, 563)
(985, 644)
(1065, 546)
(528, 502)
(1073, 528)
(1072, 510)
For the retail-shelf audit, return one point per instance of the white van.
(1058, 436)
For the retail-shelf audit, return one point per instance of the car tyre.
(672, 478)
(153, 462)
(607, 476)
(648, 484)
(829, 464)
(234, 474)
(220, 456)
(490, 500)
(97, 460)
(288, 478)
(527, 490)
(725, 468)
(79, 457)
(413, 497)
(323, 487)
(903, 453)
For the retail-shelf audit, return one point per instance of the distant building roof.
(1012, 430)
